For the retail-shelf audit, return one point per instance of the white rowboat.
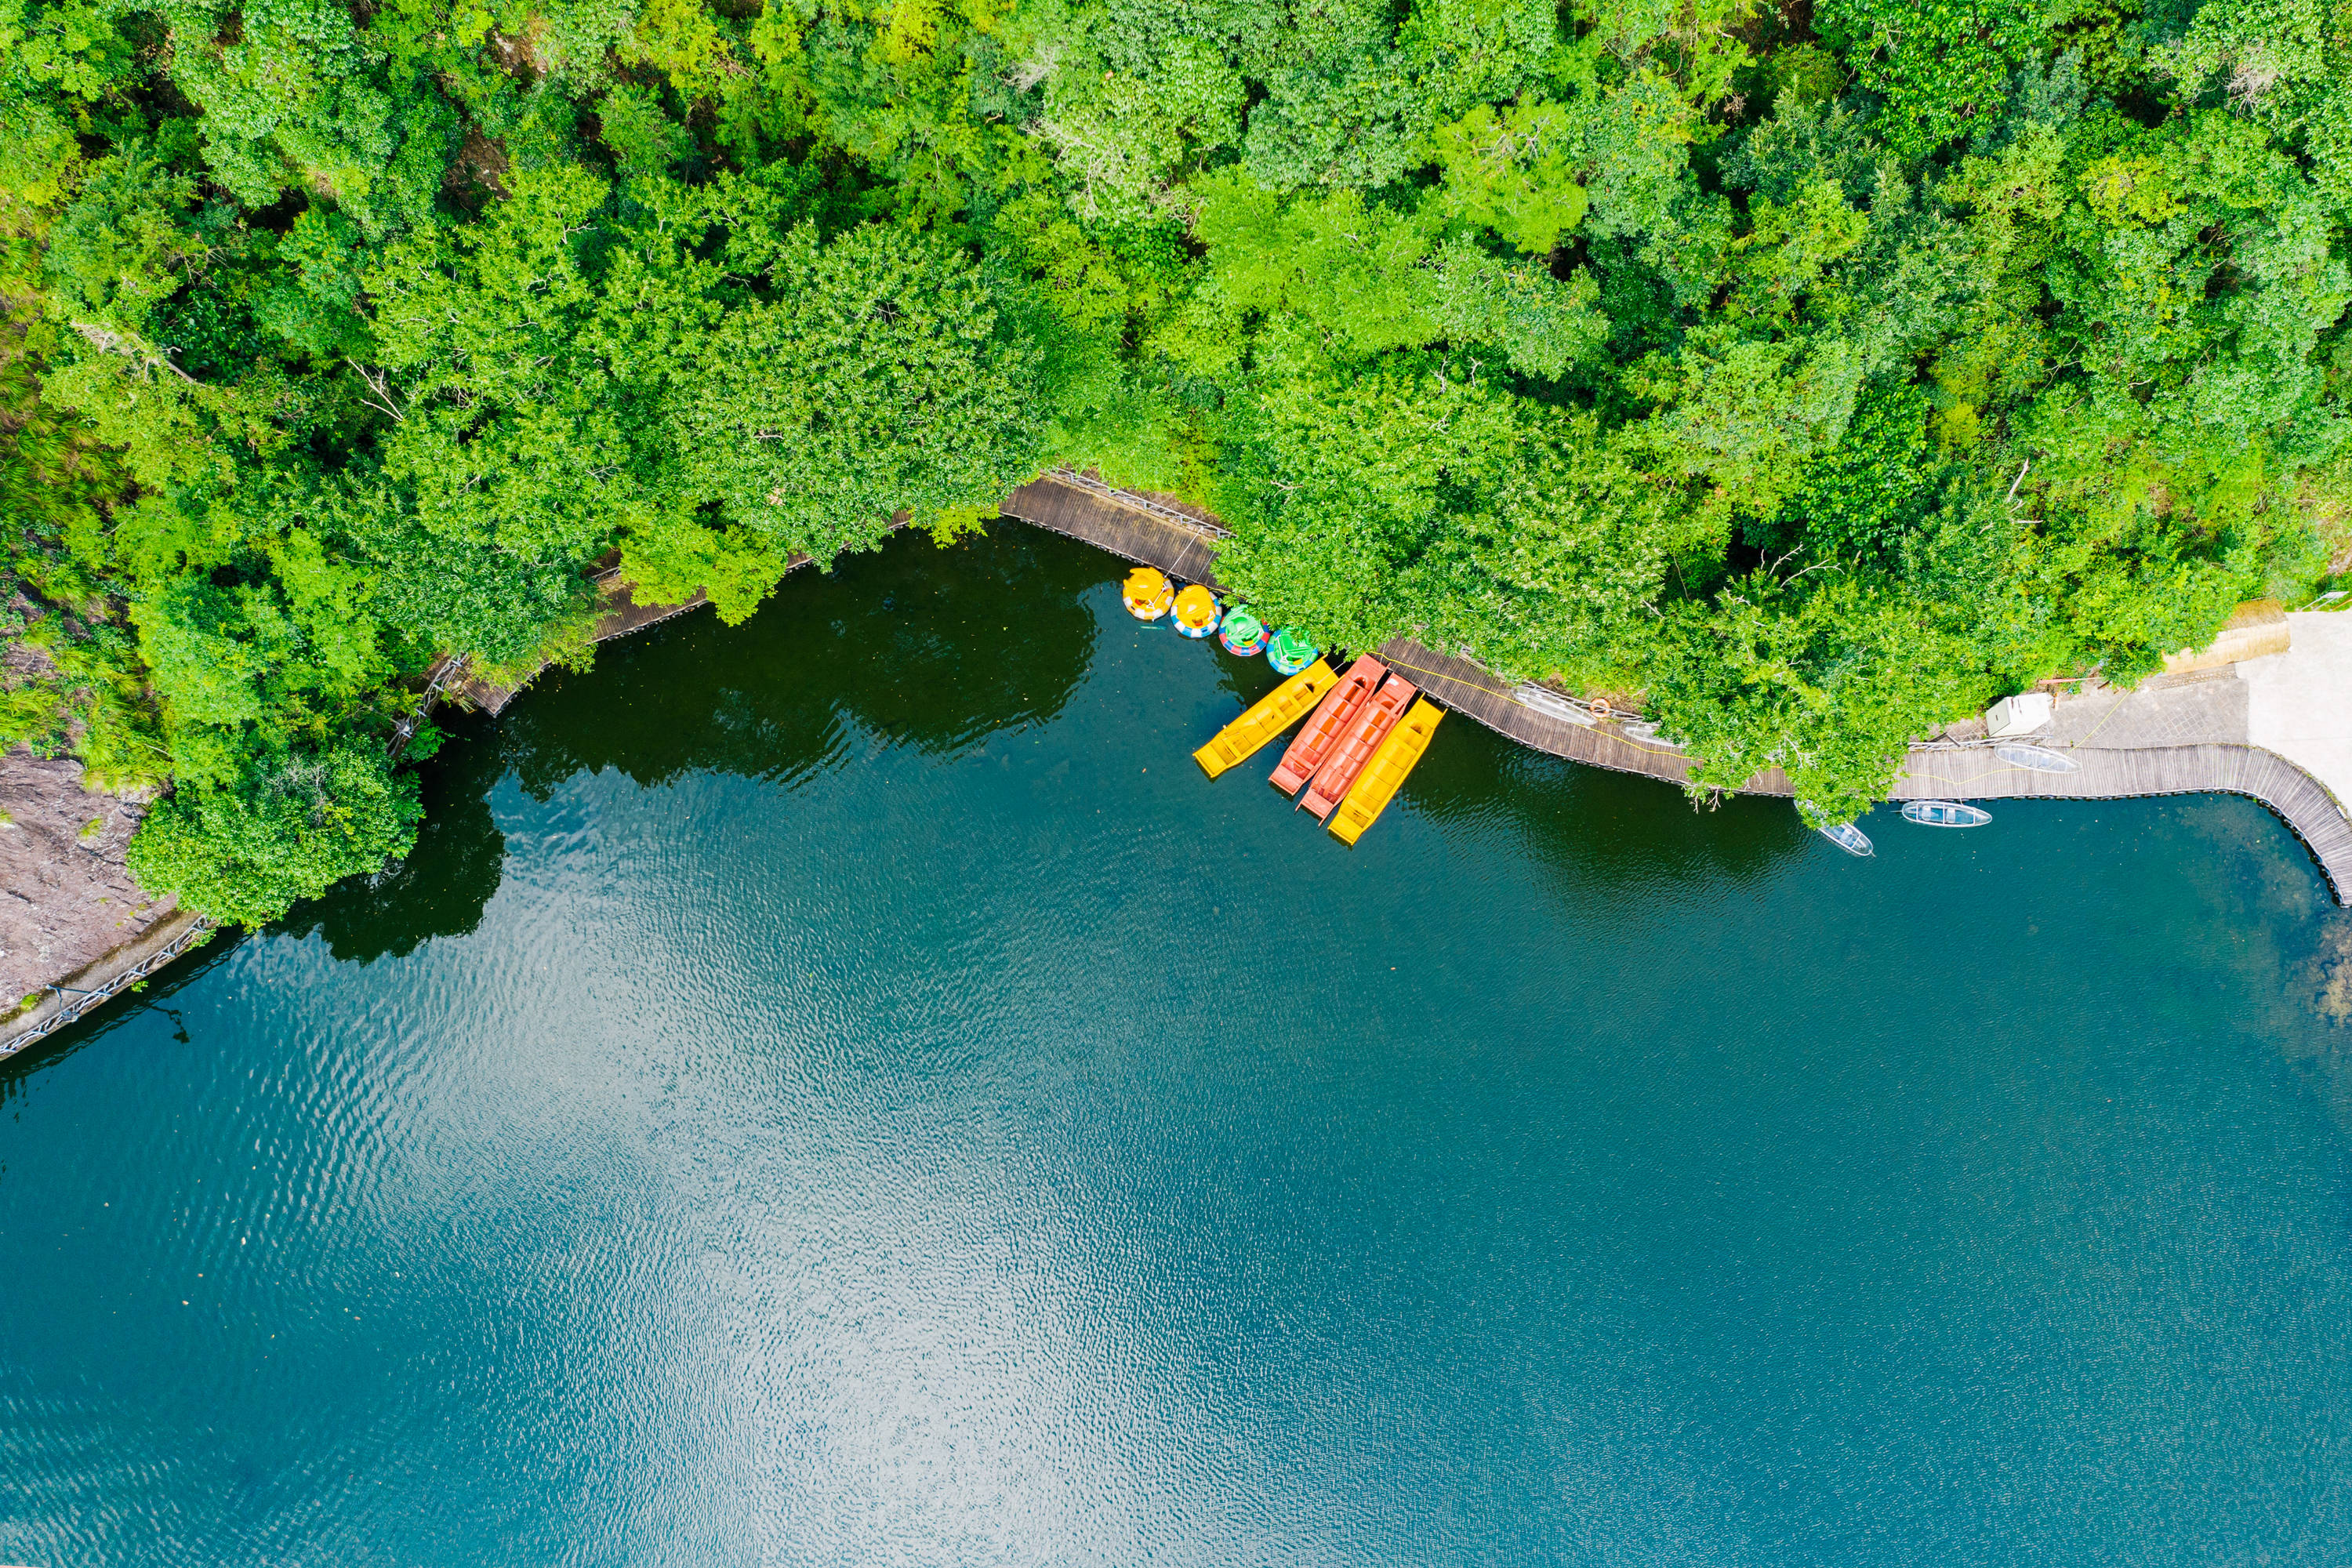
(1945, 813)
(1550, 703)
(2036, 759)
(1848, 837)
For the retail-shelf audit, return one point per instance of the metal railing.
(114, 987)
(1140, 502)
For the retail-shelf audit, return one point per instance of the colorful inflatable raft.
(1196, 612)
(1290, 652)
(1147, 593)
(1272, 714)
(1243, 634)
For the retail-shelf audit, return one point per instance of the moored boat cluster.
(1195, 613)
(1954, 813)
(1365, 729)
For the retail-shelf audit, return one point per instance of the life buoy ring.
(1602, 711)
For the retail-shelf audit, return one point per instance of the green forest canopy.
(1812, 373)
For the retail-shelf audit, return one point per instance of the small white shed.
(2020, 715)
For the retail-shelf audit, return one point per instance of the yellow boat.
(1384, 774)
(1278, 711)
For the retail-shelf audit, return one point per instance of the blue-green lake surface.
(847, 1090)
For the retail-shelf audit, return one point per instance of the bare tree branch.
(382, 399)
(144, 356)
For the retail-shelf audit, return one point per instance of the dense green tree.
(867, 377)
(508, 429)
(289, 826)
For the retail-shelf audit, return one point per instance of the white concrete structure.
(2020, 715)
(2299, 702)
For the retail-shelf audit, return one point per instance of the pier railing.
(120, 971)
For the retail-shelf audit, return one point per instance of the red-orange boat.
(1355, 747)
(1329, 720)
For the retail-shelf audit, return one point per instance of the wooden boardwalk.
(1479, 693)
(94, 985)
(1134, 527)
(2302, 802)
(1184, 547)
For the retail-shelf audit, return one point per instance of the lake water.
(847, 1090)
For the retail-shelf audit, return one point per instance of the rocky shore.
(65, 898)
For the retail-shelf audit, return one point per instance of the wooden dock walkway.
(2303, 802)
(1135, 527)
(1183, 546)
(94, 985)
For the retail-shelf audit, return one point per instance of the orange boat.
(1356, 745)
(1337, 711)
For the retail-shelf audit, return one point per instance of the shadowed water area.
(847, 1090)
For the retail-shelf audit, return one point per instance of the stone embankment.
(67, 902)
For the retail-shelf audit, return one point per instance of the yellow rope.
(1972, 778)
(1441, 675)
(2102, 720)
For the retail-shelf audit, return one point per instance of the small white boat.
(1550, 703)
(1848, 837)
(2036, 759)
(1945, 813)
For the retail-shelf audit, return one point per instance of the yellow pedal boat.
(1384, 774)
(1147, 594)
(1278, 711)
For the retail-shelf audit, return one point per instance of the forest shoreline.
(1182, 540)
(1141, 529)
